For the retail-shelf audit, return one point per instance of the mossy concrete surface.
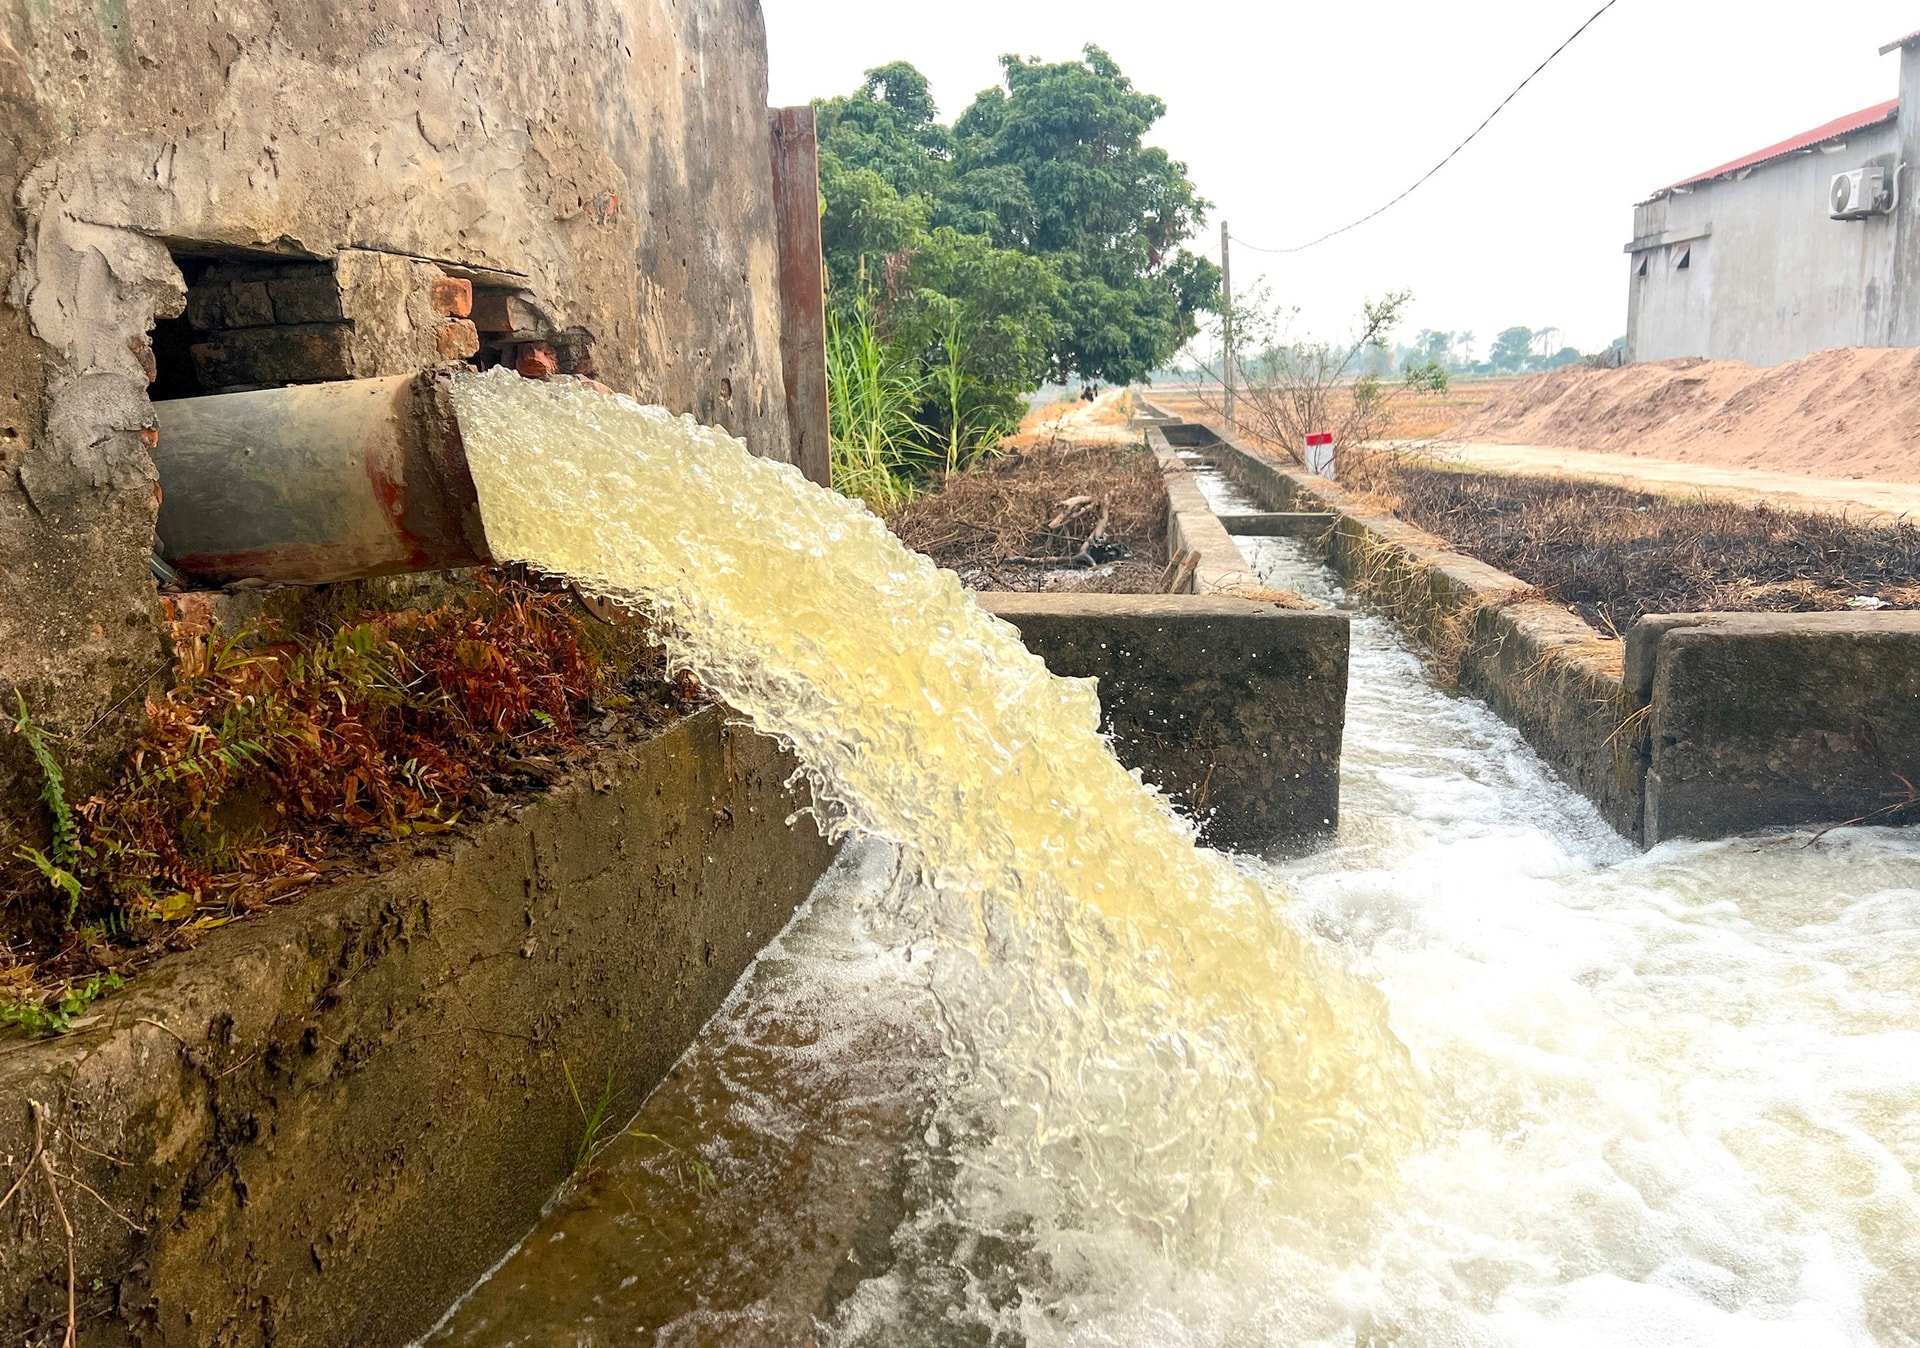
(1697, 726)
(1548, 673)
(321, 1125)
(1236, 709)
(1777, 719)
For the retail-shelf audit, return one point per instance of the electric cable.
(1451, 155)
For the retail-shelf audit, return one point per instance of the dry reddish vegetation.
(274, 756)
(1024, 520)
(1615, 555)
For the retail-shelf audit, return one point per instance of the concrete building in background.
(1807, 245)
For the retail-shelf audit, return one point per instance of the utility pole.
(1226, 318)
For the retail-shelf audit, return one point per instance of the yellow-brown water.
(1665, 1099)
(1148, 1030)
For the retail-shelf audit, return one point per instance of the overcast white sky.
(1296, 119)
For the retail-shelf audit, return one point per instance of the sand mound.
(1853, 412)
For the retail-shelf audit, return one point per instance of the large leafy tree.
(1057, 158)
(1040, 227)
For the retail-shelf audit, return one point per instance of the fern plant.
(211, 752)
(60, 864)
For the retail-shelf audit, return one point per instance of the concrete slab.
(1767, 719)
(1236, 709)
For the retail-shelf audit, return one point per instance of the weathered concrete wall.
(1776, 718)
(327, 1122)
(1541, 668)
(1237, 710)
(607, 161)
(1904, 328)
(1697, 726)
(1771, 276)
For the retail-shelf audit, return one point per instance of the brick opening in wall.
(515, 332)
(252, 321)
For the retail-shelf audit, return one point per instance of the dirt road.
(1665, 476)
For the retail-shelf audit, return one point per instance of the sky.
(1296, 119)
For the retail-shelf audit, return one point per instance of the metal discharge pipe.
(317, 483)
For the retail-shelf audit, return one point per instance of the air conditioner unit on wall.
(1859, 194)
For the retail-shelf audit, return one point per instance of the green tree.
(1512, 350)
(891, 125)
(1037, 238)
(1057, 157)
(990, 308)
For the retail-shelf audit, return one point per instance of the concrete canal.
(1668, 1097)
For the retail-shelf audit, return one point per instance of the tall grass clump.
(873, 393)
(904, 413)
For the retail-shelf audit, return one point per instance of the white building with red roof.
(1806, 245)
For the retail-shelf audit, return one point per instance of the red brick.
(537, 361)
(457, 339)
(453, 297)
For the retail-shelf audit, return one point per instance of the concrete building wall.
(1770, 276)
(1904, 324)
(599, 169)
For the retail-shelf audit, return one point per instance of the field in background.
(1416, 416)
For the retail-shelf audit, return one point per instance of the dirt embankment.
(1849, 413)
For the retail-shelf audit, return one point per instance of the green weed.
(690, 1167)
(56, 1015)
(593, 1120)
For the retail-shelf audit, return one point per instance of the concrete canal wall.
(1698, 726)
(1232, 705)
(1781, 716)
(1237, 710)
(321, 1125)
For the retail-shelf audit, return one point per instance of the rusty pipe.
(317, 483)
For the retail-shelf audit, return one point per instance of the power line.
(1451, 155)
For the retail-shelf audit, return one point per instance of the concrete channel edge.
(321, 1125)
(1696, 726)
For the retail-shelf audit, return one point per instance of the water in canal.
(1031, 1069)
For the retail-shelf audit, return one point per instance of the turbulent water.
(1137, 1024)
(1665, 1099)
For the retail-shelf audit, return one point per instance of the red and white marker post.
(1320, 454)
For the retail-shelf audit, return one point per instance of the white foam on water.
(1670, 1099)
(1134, 1027)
